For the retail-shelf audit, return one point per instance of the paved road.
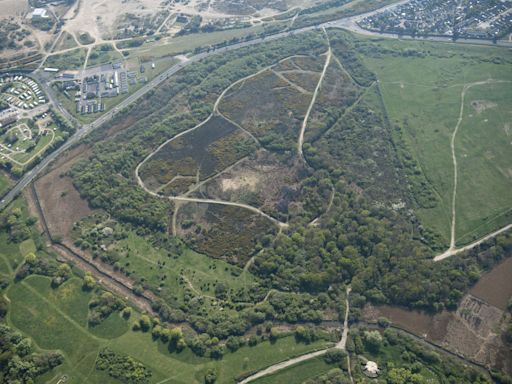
(346, 23)
(85, 129)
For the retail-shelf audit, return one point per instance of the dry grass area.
(432, 327)
(13, 7)
(267, 181)
(60, 201)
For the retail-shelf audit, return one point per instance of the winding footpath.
(313, 99)
(453, 250)
(341, 345)
(216, 112)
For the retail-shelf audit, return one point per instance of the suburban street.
(83, 130)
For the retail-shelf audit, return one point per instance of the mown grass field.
(422, 96)
(299, 373)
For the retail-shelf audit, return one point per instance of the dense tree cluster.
(102, 306)
(19, 364)
(122, 367)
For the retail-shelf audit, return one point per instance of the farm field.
(423, 100)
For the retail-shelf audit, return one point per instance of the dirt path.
(314, 223)
(297, 87)
(455, 251)
(184, 197)
(285, 364)
(452, 250)
(193, 289)
(300, 142)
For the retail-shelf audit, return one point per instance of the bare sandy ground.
(13, 8)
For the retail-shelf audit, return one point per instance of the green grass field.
(422, 96)
(66, 41)
(5, 183)
(484, 150)
(200, 270)
(102, 54)
(57, 319)
(73, 59)
(299, 373)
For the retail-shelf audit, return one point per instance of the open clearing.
(426, 109)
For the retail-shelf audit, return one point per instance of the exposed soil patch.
(495, 287)
(248, 180)
(474, 330)
(267, 181)
(482, 105)
(60, 201)
(433, 327)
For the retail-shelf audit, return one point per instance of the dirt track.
(285, 364)
(184, 197)
(300, 142)
(452, 250)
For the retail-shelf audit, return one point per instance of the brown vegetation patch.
(178, 186)
(268, 107)
(61, 203)
(433, 327)
(202, 152)
(267, 181)
(223, 232)
(308, 63)
(495, 287)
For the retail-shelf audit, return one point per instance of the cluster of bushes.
(122, 367)
(406, 359)
(102, 306)
(16, 224)
(18, 362)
